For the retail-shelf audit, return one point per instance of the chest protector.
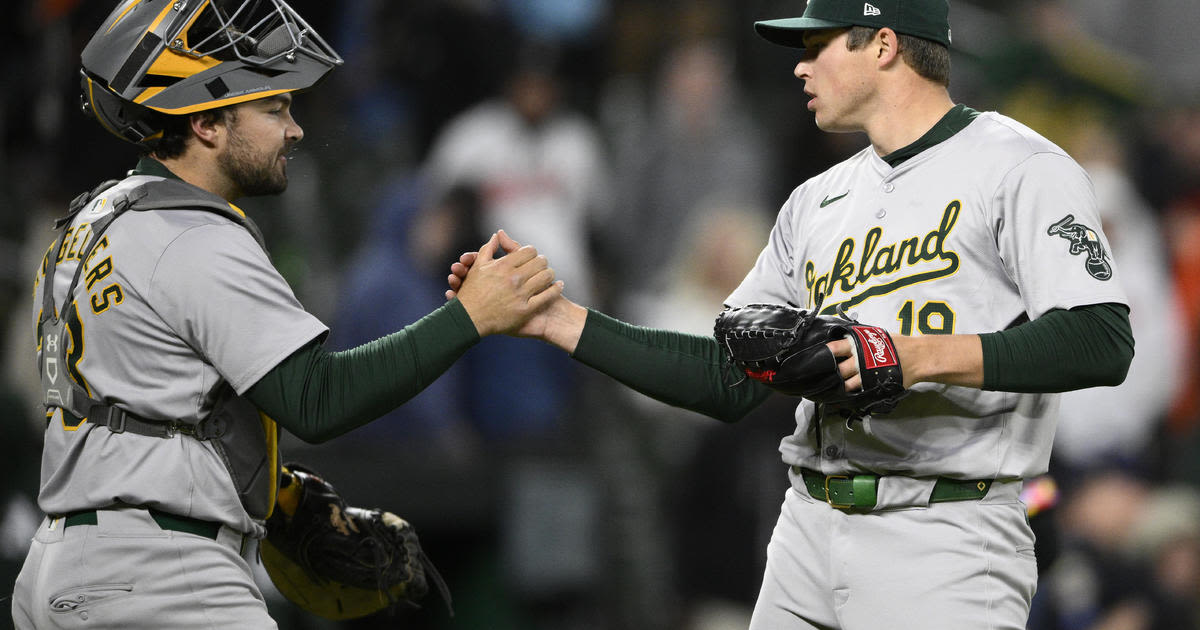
(245, 439)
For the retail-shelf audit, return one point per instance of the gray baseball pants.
(127, 572)
(963, 565)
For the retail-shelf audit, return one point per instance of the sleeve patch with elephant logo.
(1084, 240)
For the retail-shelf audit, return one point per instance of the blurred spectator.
(541, 173)
(411, 66)
(541, 169)
(556, 20)
(416, 64)
(718, 244)
(698, 144)
(1170, 21)
(1167, 536)
(20, 454)
(1092, 585)
(1055, 77)
(1111, 425)
(304, 233)
(19, 369)
(396, 277)
(1178, 181)
(695, 468)
(1130, 559)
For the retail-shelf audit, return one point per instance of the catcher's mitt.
(784, 348)
(341, 562)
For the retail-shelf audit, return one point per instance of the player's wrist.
(485, 319)
(564, 324)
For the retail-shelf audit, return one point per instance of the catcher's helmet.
(152, 58)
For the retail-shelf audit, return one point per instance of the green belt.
(183, 524)
(858, 492)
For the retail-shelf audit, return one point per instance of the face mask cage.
(255, 32)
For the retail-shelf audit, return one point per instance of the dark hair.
(177, 129)
(926, 57)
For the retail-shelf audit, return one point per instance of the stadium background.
(550, 497)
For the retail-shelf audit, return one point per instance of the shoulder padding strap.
(173, 194)
(58, 388)
(80, 202)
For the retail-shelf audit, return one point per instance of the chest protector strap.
(245, 440)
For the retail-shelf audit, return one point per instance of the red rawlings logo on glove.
(881, 352)
(762, 376)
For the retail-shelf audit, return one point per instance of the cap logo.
(870, 9)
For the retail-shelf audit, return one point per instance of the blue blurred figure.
(505, 389)
(396, 277)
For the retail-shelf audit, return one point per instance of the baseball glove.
(784, 348)
(341, 562)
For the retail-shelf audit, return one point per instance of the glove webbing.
(379, 529)
(805, 323)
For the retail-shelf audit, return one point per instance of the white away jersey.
(972, 235)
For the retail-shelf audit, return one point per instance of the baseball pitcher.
(924, 299)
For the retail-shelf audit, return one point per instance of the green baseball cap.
(927, 19)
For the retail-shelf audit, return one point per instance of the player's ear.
(207, 126)
(886, 45)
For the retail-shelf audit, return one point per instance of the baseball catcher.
(341, 562)
(785, 348)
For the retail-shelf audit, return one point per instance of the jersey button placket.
(887, 187)
(833, 440)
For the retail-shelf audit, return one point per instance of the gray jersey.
(172, 306)
(991, 226)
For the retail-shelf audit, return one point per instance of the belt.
(172, 522)
(858, 492)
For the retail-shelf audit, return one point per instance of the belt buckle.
(115, 420)
(829, 496)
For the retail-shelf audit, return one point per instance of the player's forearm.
(318, 395)
(687, 371)
(1087, 346)
(948, 359)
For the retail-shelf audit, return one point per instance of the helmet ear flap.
(124, 119)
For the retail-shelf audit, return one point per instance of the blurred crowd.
(645, 147)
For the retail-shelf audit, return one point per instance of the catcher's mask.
(154, 58)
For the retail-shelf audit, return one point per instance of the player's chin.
(280, 177)
(821, 118)
(273, 185)
(276, 179)
(832, 124)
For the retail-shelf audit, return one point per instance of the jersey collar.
(953, 122)
(150, 166)
(189, 199)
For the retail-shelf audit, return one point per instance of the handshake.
(514, 294)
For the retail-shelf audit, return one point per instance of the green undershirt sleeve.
(319, 395)
(687, 371)
(1063, 350)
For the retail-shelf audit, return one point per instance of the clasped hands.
(501, 294)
